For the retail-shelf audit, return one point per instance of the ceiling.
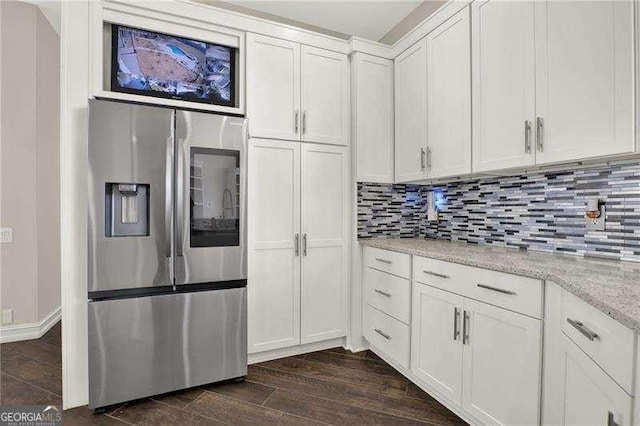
(370, 19)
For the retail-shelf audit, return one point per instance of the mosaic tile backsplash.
(541, 211)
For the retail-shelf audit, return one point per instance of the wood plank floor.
(327, 387)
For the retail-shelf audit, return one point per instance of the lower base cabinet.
(484, 359)
(591, 397)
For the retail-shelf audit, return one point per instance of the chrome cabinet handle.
(496, 289)
(610, 419)
(304, 122)
(297, 245)
(304, 244)
(527, 136)
(428, 158)
(384, 293)
(435, 274)
(583, 329)
(422, 159)
(382, 333)
(456, 318)
(296, 120)
(465, 327)
(384, 261)
(539, 133)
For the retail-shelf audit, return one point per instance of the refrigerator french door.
(167, 250)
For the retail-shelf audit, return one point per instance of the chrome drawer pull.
(388, 262)
(499, 290)
(382, 333)
(582, 329)
(456, 317)
(435, 274)
(384, 293)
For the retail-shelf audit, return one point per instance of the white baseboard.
(296, 350)
(16, 333)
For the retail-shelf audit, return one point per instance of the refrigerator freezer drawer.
(151, 345)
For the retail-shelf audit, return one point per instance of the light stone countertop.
(611, 286)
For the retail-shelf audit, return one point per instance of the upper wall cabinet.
(433, 103)
(296, 92)
(449, 98)
(372, 112)
(503, 84)
(411, 112)
(584, 79)
(273, 98)
(325, 96)
(552, 82)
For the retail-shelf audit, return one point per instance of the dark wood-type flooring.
(328, 387)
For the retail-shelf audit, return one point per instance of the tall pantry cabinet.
(299, 193)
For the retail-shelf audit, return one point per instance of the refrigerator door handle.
(180, 197)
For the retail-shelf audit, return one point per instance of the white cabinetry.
(411, 112)
(589, 364)
(433, 103)
(552, 82)
(298, 262)
(484, 359)
(449, 98)
(273, 83)
(372, 85)
(324, 255)
(584, 79)
(501, 365)
(503, 84)
(436, 349)
(590, 396)
(296, 92)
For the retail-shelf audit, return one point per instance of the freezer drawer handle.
(583, 329)
(384, 293)
(498, 290)
(435, 274)
(382, 333)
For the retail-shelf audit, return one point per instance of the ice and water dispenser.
(126, 210)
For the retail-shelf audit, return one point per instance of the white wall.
(29, 156)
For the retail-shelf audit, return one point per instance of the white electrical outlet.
(7, 316)
(6, 235)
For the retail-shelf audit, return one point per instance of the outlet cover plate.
(596, 224)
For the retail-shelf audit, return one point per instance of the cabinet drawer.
(387, 334)
(512, 292)
(609, 343)
(388, 293)
(388, 261)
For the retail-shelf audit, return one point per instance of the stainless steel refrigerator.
(167, 250)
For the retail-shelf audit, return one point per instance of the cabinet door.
(503, 84)
(273, 87)
(584, 79)
(325, 198)
(590, 396)
(325, 96)
(373, 115)
(274, 263)
(449, 97)
(411, 112)
(501, 366)
(436, 341)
